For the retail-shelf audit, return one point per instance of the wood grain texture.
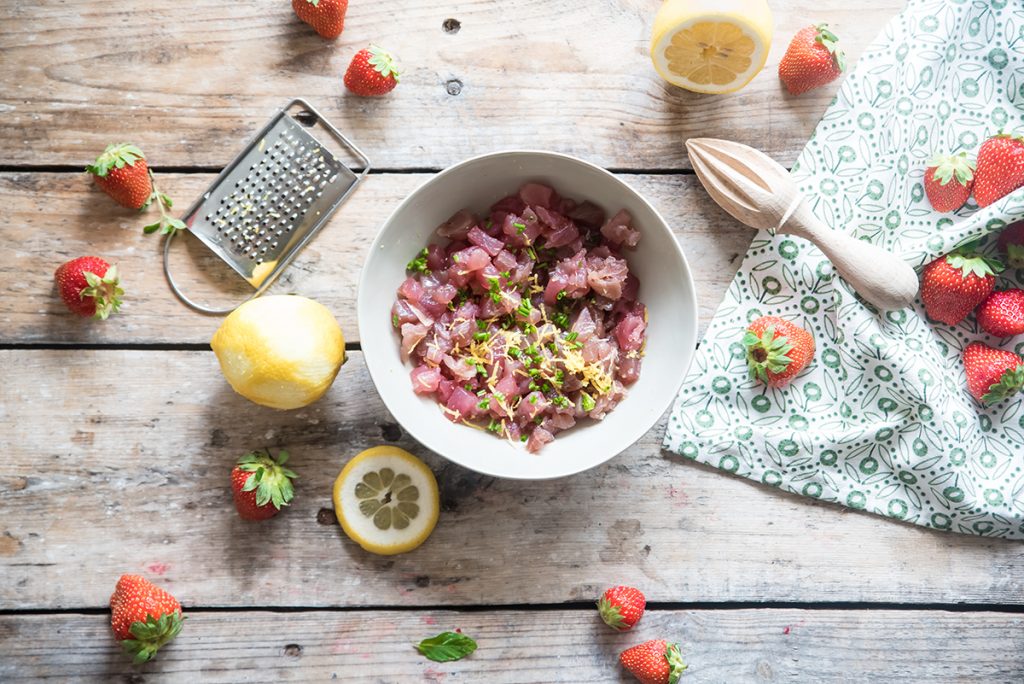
(531, 647)
(118, 461)
(189, 82)
(50, 218)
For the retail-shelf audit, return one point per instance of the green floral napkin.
(881, 420)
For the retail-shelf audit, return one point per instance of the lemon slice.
(386, 500)
(711, 46)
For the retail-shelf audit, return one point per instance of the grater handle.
(201, 308)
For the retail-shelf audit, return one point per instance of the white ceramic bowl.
(666, 287)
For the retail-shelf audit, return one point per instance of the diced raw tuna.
(457, 227)
(470, 259)
(425, 379)
(537, 195)
(484, 241)
(412, 335)
(569, 276)
(508, 205)
(628, 370)
(444, 389)
(587, 214)
(463, 403)
(436, 257)
(504, 261)
(538, 438)
(607, 276)
(630, 332)
(617, 230)
(411, 289)
(459, 369)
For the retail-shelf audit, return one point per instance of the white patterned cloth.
(881, 419)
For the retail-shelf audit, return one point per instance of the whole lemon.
(281, 351)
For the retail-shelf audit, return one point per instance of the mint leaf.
(446, 646)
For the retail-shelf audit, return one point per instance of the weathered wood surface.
(50, 218)
(118, 461)
(530, 647)
(191, 81)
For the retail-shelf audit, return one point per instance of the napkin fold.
(881, 420)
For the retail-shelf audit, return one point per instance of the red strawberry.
(948, 181)
(777, 350)
(261, 485)
(992, 374)
(654, 662)
(1002, 313)
(952, 285)
(622, 607)
(327, 17)
(143, 616)
(373, 71)
(121, 172)
(1011, 240)
(812, 59)
(1000, 168)
(89, 286)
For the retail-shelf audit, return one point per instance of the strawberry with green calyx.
(327, 17)
(992, 374)
(372, 72)
(89, 286)
(1000, 168)
(954, 284)
(948, 181)
(654, 662)
(621, 607)
(122, 173)
(1011, 241)
(143, 616)
(777, 350)
(813, 59)
(261, 485)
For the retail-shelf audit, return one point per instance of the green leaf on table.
(446, 646)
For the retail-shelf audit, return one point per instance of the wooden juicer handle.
(759, 192)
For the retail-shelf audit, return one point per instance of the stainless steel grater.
(272, 199)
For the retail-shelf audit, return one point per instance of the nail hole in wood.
(293, 650)
(391, 432)
(453, 86)
(325, 516)
(451, 25)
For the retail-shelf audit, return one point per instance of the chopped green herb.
(419, 263)
(514, 352)
(468, 387)
(561, 402)
(571, 337)
(533, 388)
(494, 426)
(481, 336)
(559, 376)
(523, 438)
(394, 320)
(520, 227)
(588, 401)
(546, 387)
(525, 307)
(506, 274)
(481, 325)
(534, 372)
(499, 396)
(561, 295)
(532, 253)
(538, 420)
(489, 223)
(485, 404)
(455, 257)
(481, 370)
(495, 290)
(561, 319)
(533, 398)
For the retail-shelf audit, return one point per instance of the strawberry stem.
(167, 224)
(151, 635)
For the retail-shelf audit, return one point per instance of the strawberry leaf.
(676, 666)
(1009, 384)
(446, 647)
(151, 634)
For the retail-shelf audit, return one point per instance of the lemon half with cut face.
(387, 500)
(711, 46)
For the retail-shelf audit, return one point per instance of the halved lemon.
(386, 500)
(711, 46)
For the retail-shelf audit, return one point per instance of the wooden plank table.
(118, 436)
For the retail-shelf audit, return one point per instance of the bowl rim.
(426, 438)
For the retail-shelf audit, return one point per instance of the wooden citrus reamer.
(759, 192)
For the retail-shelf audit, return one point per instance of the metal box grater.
(271, 200)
